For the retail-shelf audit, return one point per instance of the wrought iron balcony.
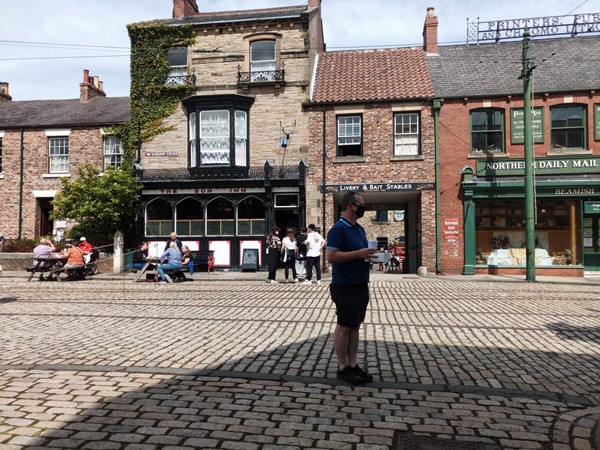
(260, 76)
(181, 79)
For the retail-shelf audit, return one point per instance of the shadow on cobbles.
(572, 332)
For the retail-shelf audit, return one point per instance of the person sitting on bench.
(41, 252)
(75, 261)
(169, 260)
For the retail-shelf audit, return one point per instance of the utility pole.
(528, 150)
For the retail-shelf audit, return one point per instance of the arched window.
(159, 218)
(251, 217)
(220, 218)
(190, 218)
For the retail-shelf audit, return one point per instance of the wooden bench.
(170, 273)
(203, 259)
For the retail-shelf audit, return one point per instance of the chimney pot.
(90, 88)
(4, 97)
(86, 76)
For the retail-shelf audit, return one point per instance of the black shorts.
(351, 302)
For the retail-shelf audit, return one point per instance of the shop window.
(58, 159)
(113, 152)
(220, 218)
(349, 136)
(568, 127)
(218, 135)
(406, 134)
(487, 131)
(251, 217)
(159, 218)
(190, 218)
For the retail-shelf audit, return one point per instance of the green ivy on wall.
(151, 100)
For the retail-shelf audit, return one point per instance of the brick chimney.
(90, 88)
(430, 35)
(4, 97)
(319, 22)
(183, 8)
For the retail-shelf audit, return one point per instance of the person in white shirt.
(314, 245)
(289, 250)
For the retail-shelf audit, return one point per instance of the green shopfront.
(567, 215)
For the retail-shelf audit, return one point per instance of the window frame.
(417, 134)
(488, 131)
(237, 106)
(262, 74)
(1, 154)
(66, 155)
(177, 70)
(340, 147)
(583, 128)
(115, 155)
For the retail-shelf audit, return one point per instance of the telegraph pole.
(528, 149)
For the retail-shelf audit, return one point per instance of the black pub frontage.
(567, 216)
(224, 210)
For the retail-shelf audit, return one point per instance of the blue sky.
(94, 37)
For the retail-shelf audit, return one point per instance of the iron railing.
(260, 76)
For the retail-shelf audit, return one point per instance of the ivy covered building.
(218, 130)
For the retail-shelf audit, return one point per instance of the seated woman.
(187, 259)
(172, 256)
(74, 263)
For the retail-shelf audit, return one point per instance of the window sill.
(349, 159)
(488, 155)
(1, 176)
(56, 175)
(407, 158)
(568, 151)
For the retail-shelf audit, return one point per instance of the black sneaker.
(366, 377)
(348, 375)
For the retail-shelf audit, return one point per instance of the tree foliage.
(101, 204)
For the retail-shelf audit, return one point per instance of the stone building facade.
(232, 164)
(44, 140)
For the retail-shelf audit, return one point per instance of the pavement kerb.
(261, 276)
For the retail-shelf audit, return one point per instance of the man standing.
(314, 244)
(348, 252)
(176, 240)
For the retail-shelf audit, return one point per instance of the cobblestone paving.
(232, 364)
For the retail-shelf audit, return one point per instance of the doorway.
(46, 224)
(591, 241)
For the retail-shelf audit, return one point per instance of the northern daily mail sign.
(557, 166)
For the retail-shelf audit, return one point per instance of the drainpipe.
(324, 269)
(21, 189)
(437, 105)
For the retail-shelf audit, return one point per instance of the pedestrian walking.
(348, 252)
(273, 246)
(314, 245)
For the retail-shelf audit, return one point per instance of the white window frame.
(113, 152)
(58, 157)
(178, 70)
(346, 133)
(407, 132)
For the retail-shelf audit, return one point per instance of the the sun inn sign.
(497, 30)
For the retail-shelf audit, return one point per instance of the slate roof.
(372, 75)
(562, 65)
(241, 15)
(58, 113)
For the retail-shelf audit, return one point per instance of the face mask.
(360, 211)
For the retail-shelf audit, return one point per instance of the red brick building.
(44, 140)
(372, 131)
(481, 135)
